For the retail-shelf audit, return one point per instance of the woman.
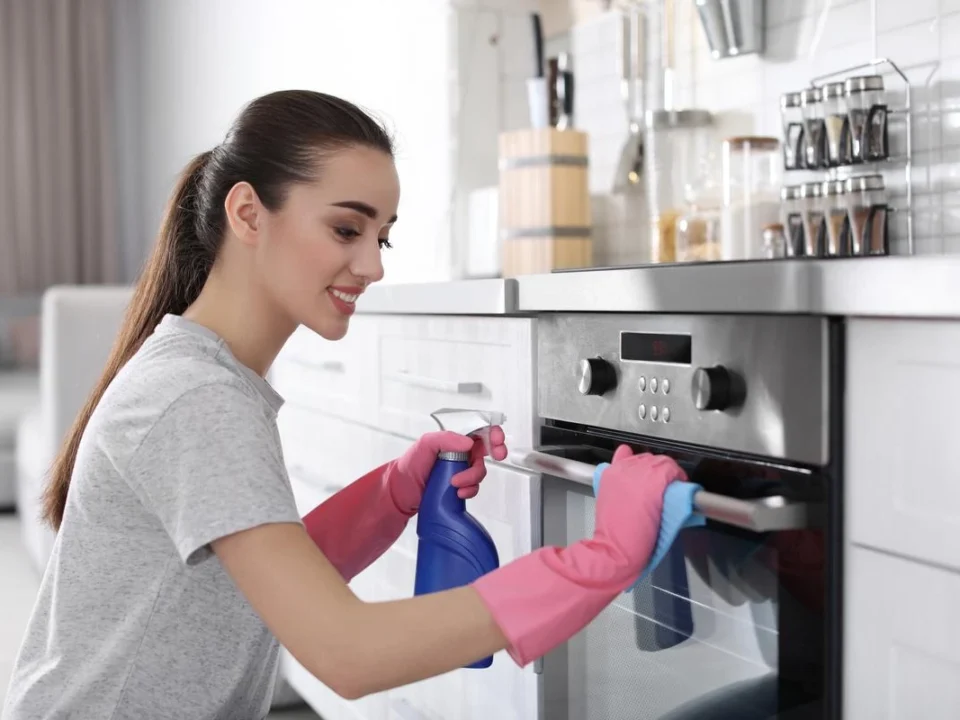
(181, 560)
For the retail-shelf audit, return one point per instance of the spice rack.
(844, 154)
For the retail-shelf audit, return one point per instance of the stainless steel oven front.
(742, 618)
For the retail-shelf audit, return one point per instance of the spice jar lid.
(773, 227)
(790, 100)
(667, 119)
(865, 182)
(791, 192)
(754, 142)
(811, 189)
(834, 90)
(864, 83)
(834, 187)
(810, 96)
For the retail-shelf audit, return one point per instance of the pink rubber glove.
(355, 526)
(543, 599)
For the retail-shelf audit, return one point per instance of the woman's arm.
(354, 647)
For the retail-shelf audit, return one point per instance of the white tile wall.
(921, 36)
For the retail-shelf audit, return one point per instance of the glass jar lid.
(863, 83)
(754, 142)
(811, 189)
(791, 192)
(834, 187)
(790, 100)
(864, 183)
(834, 90)
(810, 96)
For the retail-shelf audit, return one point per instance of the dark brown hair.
(277, 140)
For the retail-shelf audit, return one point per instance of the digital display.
(656, 348)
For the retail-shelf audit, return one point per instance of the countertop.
(926, 286)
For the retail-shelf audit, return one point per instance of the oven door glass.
(730, 625)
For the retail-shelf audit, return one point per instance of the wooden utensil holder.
(544, 201)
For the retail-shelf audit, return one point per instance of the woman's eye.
(385, 243)
(348, 233)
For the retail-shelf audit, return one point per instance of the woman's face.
(323, 246)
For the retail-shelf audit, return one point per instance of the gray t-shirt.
(136, 618)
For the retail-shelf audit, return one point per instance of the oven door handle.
(769, 514)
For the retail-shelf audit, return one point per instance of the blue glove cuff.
(678, 513)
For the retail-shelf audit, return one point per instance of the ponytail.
(166, 285)
(278, 139)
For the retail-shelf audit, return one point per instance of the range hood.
(733, 27)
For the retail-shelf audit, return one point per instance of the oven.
(741, 620)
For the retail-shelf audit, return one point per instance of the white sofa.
(78, 325)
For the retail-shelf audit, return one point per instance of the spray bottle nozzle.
(469, 422)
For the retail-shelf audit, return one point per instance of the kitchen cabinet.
(354, 407)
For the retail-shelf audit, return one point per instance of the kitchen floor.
(20, 582)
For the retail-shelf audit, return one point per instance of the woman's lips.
(344, 298)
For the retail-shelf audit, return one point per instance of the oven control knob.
(716, 388)
(597, 377)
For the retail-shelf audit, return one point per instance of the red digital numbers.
(659, 348)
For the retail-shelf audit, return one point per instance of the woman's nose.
(369, 264)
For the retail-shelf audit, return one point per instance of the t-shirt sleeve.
(212, 466)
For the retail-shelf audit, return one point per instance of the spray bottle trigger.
(476, 423)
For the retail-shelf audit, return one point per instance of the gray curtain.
(58, 189)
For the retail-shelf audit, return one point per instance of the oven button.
(642, 412)
(653, 385)
(597, 377)
(653, 413)
(665, 415)
(642, 384)
(717, 388)
(666, 386)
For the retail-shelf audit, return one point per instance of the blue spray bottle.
(454, 549)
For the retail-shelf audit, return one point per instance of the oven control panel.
(755, 384)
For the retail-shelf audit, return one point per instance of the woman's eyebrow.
(362, 207)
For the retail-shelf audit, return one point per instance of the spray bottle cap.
(467, 422)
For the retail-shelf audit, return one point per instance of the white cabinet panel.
(333, 377)
(903, 477)
(428, 363)
(902, 639)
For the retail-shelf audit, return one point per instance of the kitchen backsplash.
(804, 39)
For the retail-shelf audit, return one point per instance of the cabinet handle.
(313, 479)
(447, 386)
(769, 514)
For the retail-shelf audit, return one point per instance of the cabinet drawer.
(336, 378)
(428, 363)
(902, 639)
(903, 478)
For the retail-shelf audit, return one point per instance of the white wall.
(202, 60)
(919, 35)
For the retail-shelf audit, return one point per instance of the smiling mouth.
(346, 297)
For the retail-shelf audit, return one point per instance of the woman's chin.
(331, 328)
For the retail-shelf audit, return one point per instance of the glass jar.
(698, 229)
(675, 143)
(837, 124)
(751, 194)
(814, 129)
(835, 216)
(814, 230)
(867, 209)
(791, 118)
(774, 242)
(791, 217)
(868, 118)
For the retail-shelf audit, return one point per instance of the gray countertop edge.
(920, 287)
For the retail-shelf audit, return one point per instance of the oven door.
(732, 625)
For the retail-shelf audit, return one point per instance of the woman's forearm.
(403, 641)
(355, 526)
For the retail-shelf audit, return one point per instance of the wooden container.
(544, 201)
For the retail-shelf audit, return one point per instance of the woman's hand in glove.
(408, 474)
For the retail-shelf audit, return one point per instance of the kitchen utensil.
(544, 205)
(867, 214)
(537, 44)
(630, 165)
(538, 96)
(868, 118)
(732, 27)
(564, 92)
(751, 194)
(791, 119)
(453, 549)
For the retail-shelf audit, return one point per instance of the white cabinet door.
(428, 363)
(901, 639)
(902, 471)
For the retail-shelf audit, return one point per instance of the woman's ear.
(244, 212)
